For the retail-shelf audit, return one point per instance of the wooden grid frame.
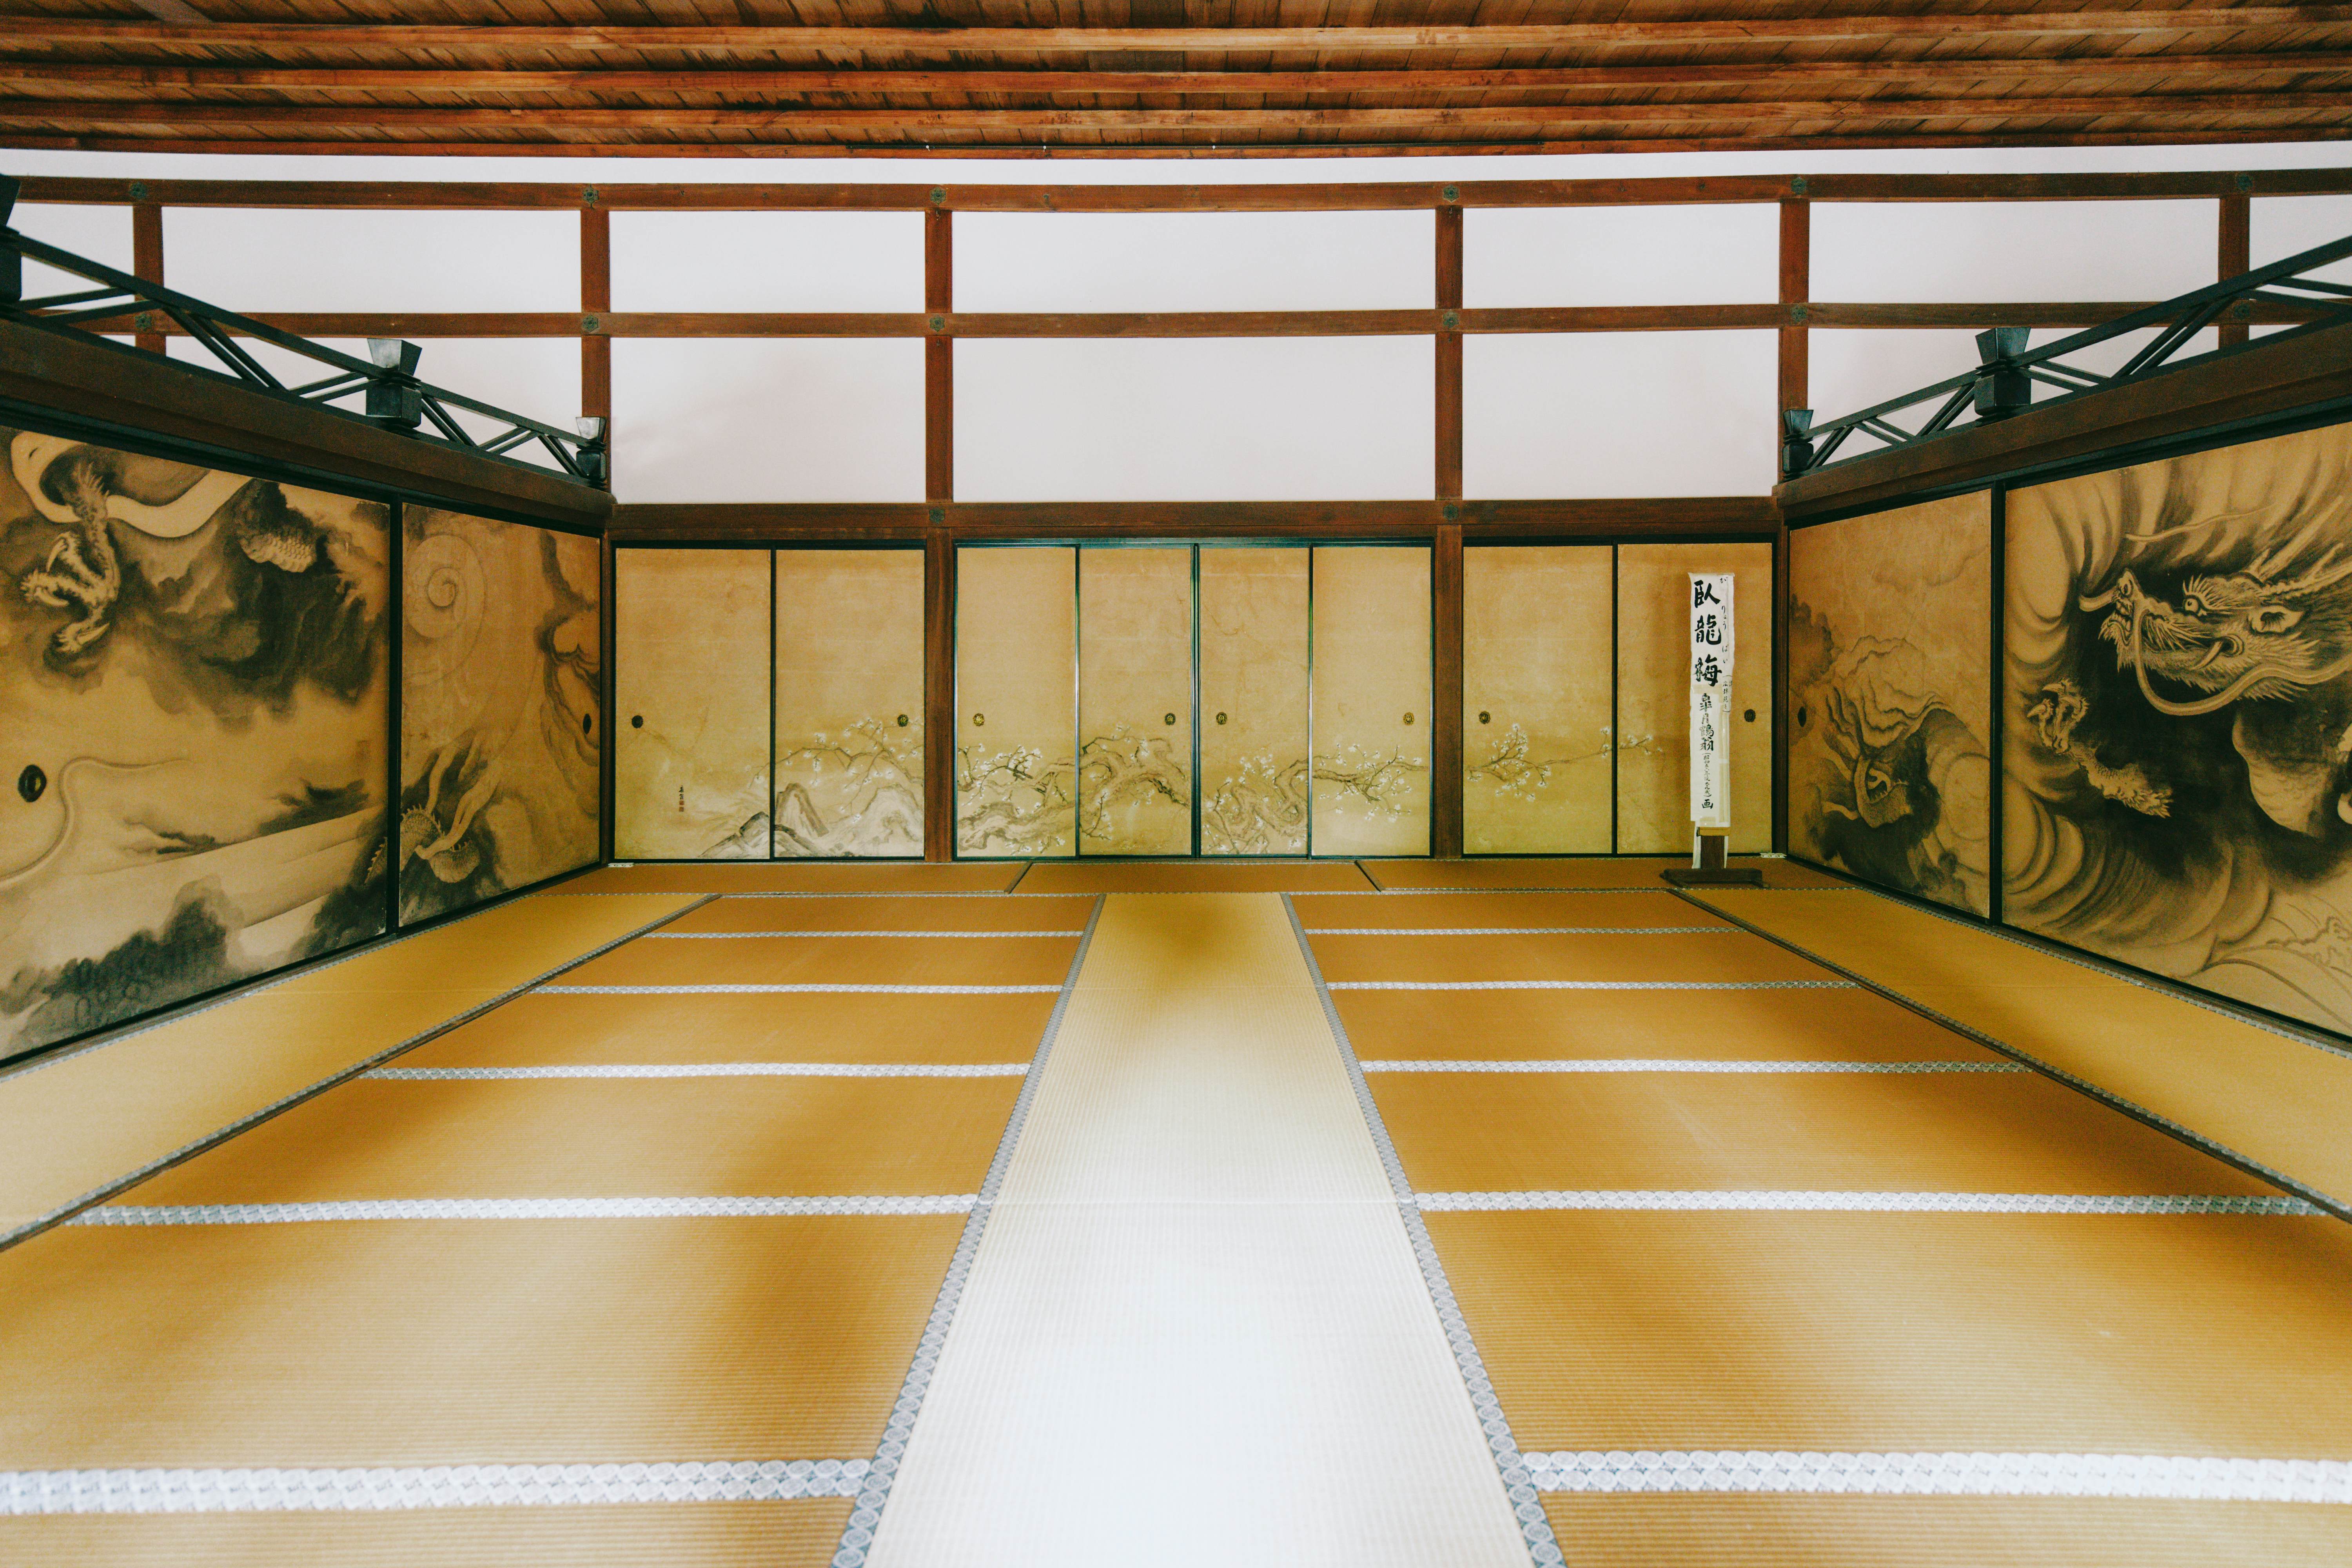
(940, 522)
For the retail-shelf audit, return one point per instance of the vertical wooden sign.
(1710, 742)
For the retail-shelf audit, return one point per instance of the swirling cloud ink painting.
(194, 713)
(1890, 652)
(501, 735)
(2178, 727)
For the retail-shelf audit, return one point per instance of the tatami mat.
(73, 1124)
(798, 877)
(799, 1532)
(1504, 911)
(1809, 1024)
(1971, 1133)
(760, 1137)
(1194, 877)
(903, 913)
(764, 960)
(2274, 1100)
(2178, 1334)
(1660, 958)
(1195, 1331)
(1782, 1531)
(434, 1342)
(1582, 871)
(541, 1030)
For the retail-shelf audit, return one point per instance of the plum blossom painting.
(501, 736)
(1890, 664)
(195, 707)
(2178, 729)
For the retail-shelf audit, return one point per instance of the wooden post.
(1445, 692)
(938, 358)
(1449, 354)
(2236, 252)
(147, 258)
(1783, 706)
(1796, 287)
(595, 303)
(939, 695)
(605, 618)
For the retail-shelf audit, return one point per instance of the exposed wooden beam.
(173, 11)
(25, 30)
(932, 148)
(2235, 233)
(147, 259)
(938, 358)
(1796, 269)
(1760, 73)
(1449, 353)
(1345, 197)
(595, 302)
(1192, 323)
(912, 119)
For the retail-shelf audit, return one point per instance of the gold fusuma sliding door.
(849, 702)
(1017, 703)
(1253, 650)
(1135, 700)
(1538, 675)
(1372, 699)
(690, 681)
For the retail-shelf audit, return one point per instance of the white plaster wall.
(1664, 415)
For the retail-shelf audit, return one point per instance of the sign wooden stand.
(1707, 870)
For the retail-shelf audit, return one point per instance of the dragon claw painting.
(2178, 754)
(194, 704)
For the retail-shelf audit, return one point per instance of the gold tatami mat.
(1194, 877)
(1860, 1531)
(1850, 1024)
(1660, 958)
(74, 1124)
(2274, 1100)
(1603, 907)
(541, 1030)
(1586, 871)
(2174, 1335)
(760, 960)
(800, 1532)
(435, 1342)
(1195, 1332)
(581, 1138)
(908, 913)
(1971, 1133)
(796, 877)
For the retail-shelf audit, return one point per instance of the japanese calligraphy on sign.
(1711, 673)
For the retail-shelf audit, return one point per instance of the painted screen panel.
(2175, 792)
(849, 702)
(1371, 687)
(501, 741)
(1537, 693)
(690, 704)
(1653, 694)
(195, 705)
(1253, 642)
(1135, 700)
(1017, 703)
(1890, 681)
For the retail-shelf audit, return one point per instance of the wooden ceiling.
(1165, 77)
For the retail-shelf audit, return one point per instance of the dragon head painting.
(2178, 754)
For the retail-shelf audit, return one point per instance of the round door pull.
(1484, 717)
(1221, 717)
(1169, 718)
(1751, 715)
(902, 721)
(1408, 718)
(637, 720)
(979, 720)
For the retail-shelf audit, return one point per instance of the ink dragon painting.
(1890, 654)
(2178, 755)
(501, 731)
(194, 706)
